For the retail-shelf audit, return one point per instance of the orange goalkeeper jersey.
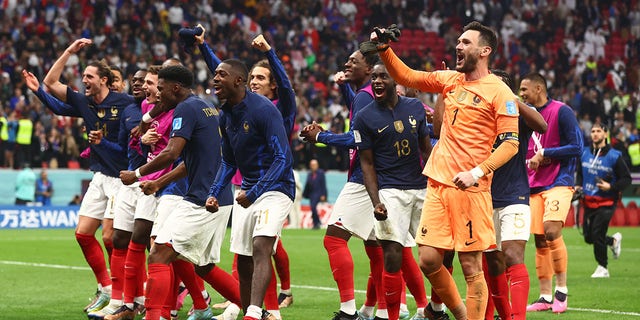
(476, 112)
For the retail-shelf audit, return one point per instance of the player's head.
(171, 62)
(118, 79)
(150, 84)
(504, 76)
(174, 85)
(261, 80)
(406, 91)
(229, 80)
(357, 69)
(599, 133)
(313, 165)
(533, 89)
(136, 84)
(97, 78)
(383, 86)
(476, 44)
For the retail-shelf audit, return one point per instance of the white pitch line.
(43, 265)
(58, 266)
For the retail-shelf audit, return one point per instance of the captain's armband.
(507, 136)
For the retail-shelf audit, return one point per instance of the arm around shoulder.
(532, 118)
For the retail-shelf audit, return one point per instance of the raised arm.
(52, 103)
(207, 53)
(286, 97)
(52, 79)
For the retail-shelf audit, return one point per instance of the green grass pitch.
(44, 276)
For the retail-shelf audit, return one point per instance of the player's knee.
(202, 271)
(392, 259)
(552, 234)
(541, 241)
(161, 253)
(428, 265)
(511, 258)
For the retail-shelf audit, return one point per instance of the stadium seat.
(631, 214)
(618, 219)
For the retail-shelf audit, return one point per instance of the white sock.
(287, 292)
(367, 311)
(254, 312)
(348, 307)
(437, 306)
(275, 313)
(547, 297)
(115, 302)
(564, 290)
(382, 313)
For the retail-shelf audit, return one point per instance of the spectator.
(25, 185)
(44, 189)
(76, 200)
(9, 142)
(603, 175)
(315, 190)
(24, 134)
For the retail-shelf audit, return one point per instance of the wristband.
(138, 175)
(476, 173)
(146, 118)
(317, 135)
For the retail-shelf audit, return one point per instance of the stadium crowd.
(589, 52)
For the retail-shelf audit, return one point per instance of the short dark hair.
(239, 67)
(536, 77)
(601, 125)
(113, 67)
(179, 74)
(506, 78)
(103, 70)
(372, 59)
(487, 34)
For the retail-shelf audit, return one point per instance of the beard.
(470, 62)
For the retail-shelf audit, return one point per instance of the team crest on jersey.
(114, 111)
(399, 126)
(413, 123)
(511, 107)
(101, 113)
(461, 96)
(245, 127)
(177, 123)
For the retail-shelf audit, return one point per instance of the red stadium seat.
(618, 219)
(631, 214)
